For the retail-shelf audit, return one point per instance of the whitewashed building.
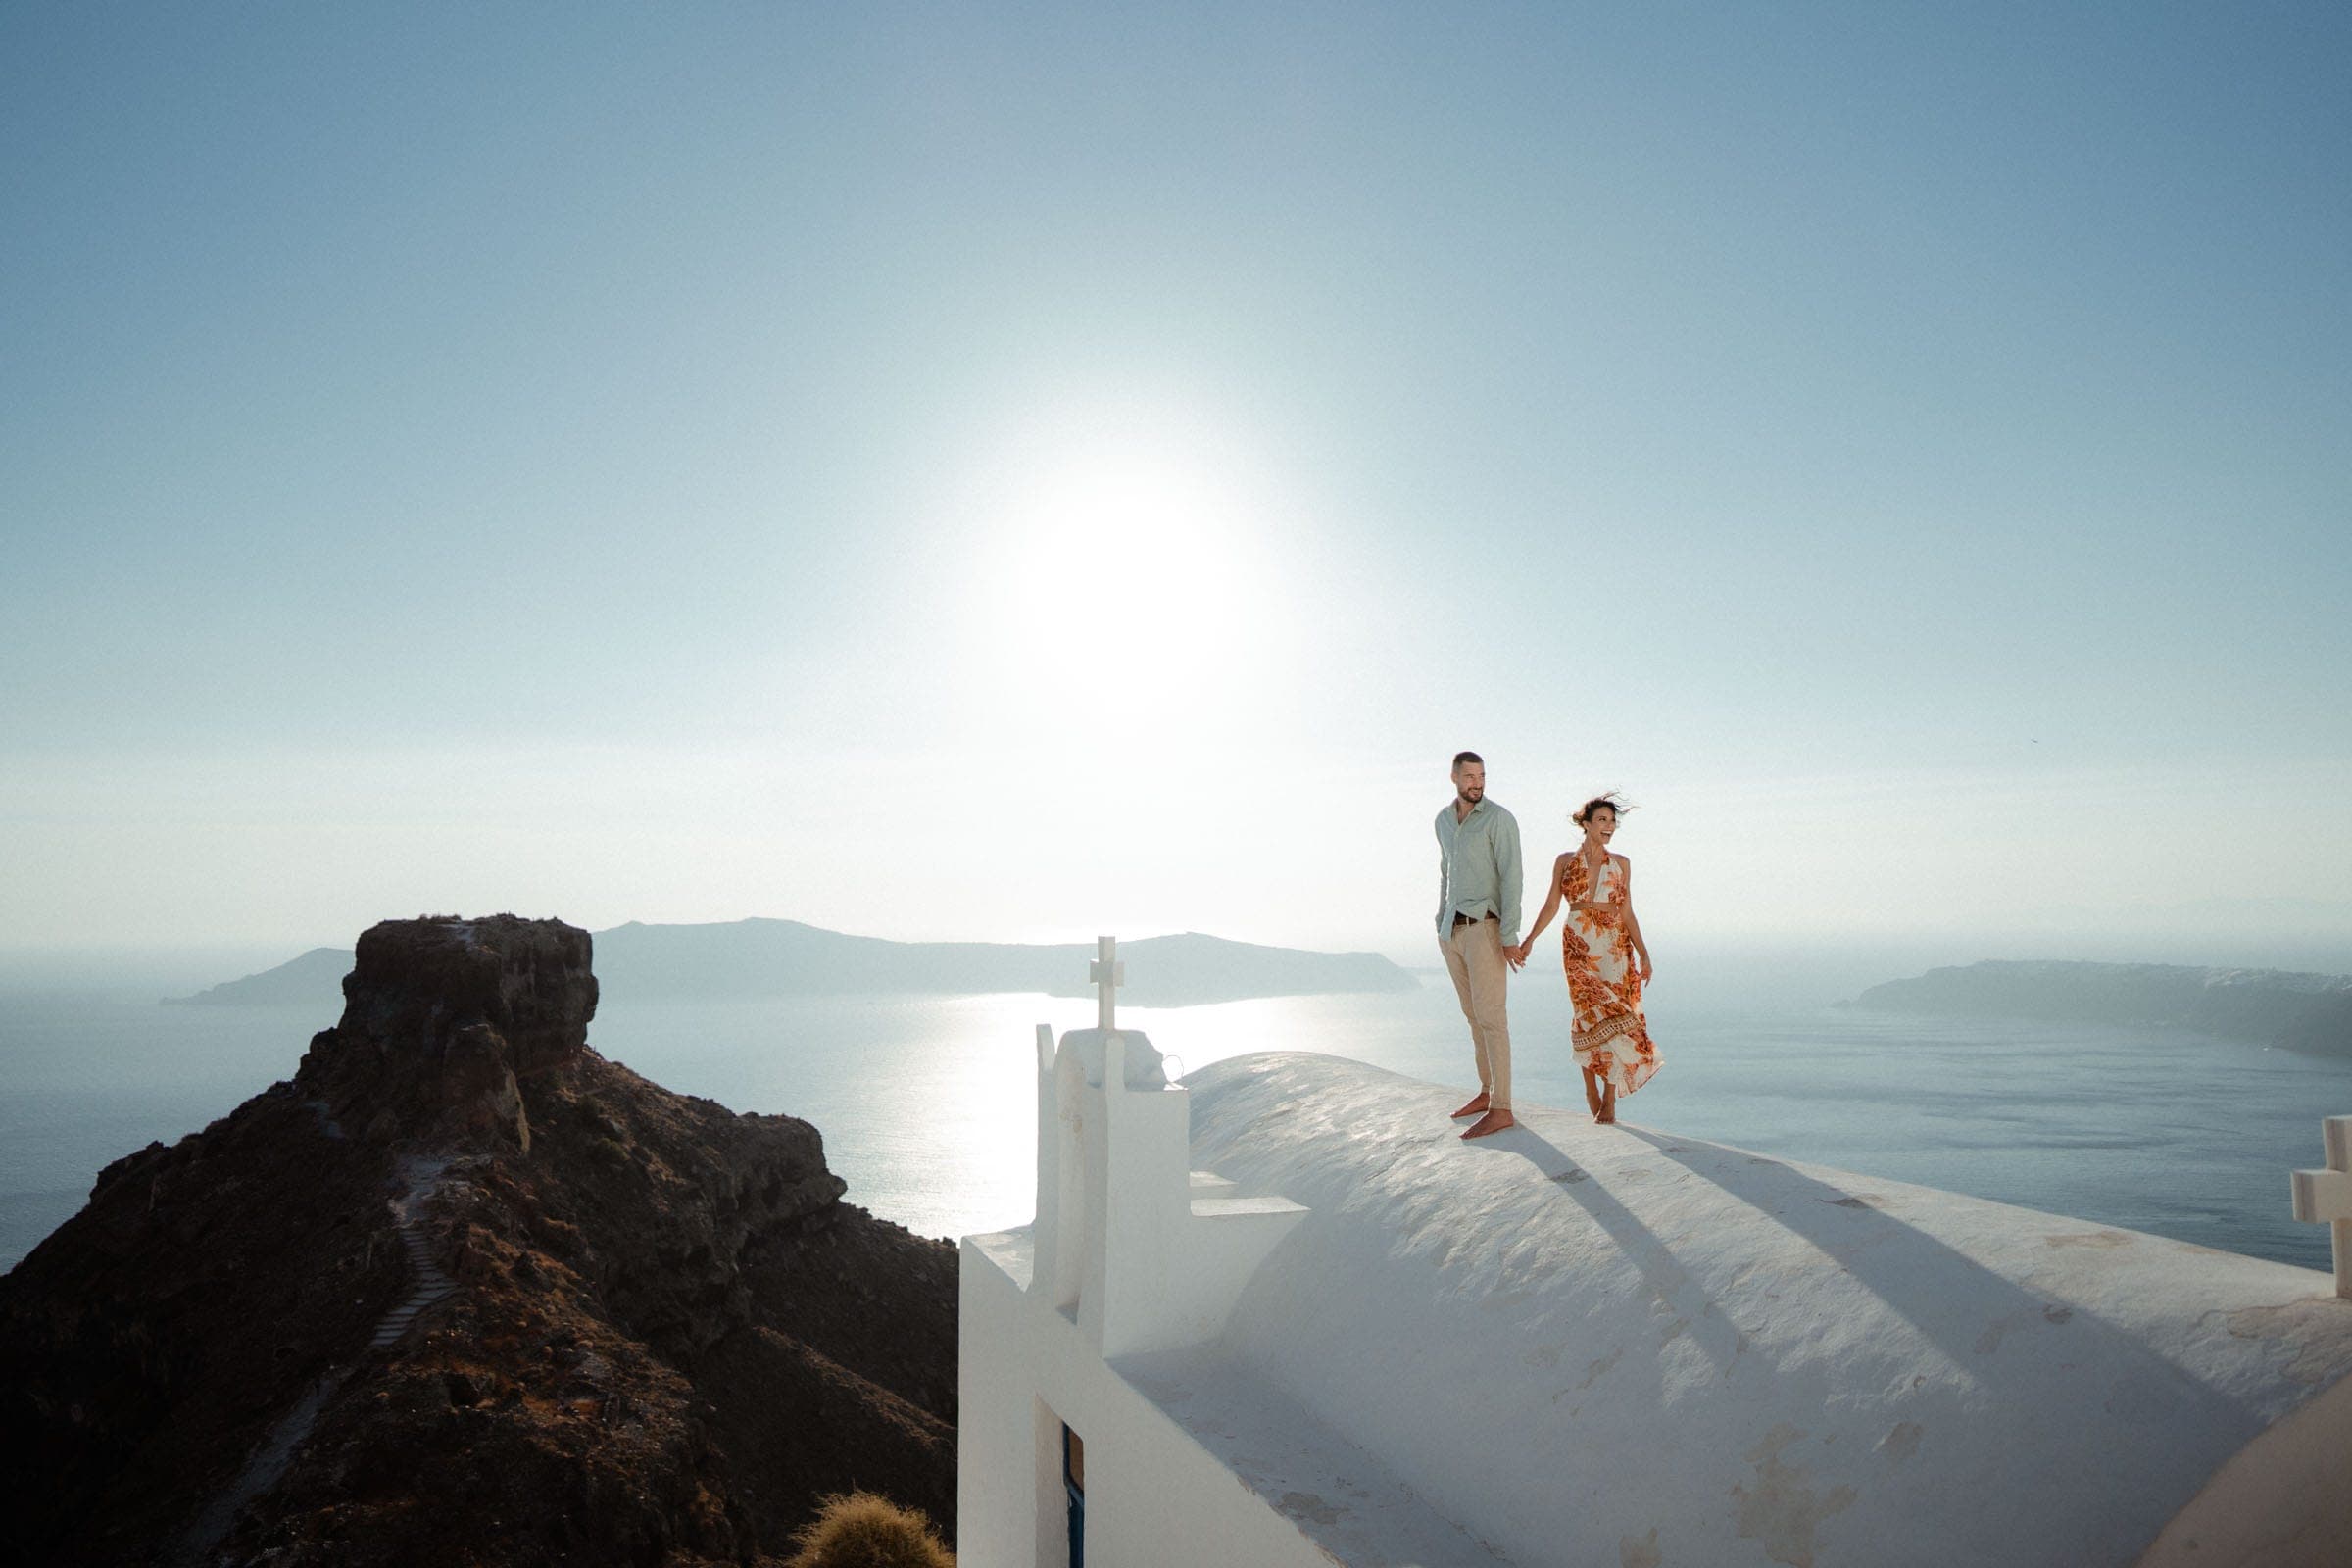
(1361, 1341)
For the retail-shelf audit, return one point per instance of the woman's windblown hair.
(1583, 814)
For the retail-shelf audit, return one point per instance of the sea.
(927, 1103)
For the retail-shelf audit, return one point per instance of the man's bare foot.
(1476, 1107)
(1493, 1121)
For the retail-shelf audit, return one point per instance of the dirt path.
(420, 1177)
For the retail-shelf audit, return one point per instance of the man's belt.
(1460, 920)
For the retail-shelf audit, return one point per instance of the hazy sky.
(1016, 472)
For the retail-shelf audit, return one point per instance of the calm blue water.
(928, 1110)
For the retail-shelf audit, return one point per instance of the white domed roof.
(1610, 1346)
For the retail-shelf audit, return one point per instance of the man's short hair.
(1459, 758)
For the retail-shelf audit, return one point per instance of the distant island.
(316, 974)
(2307, 1012)
(753, 958)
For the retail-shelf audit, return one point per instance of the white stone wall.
(1122, 1258)
(1155, 1498)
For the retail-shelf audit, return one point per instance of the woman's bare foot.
(1606, 1111)
(1592, 1091)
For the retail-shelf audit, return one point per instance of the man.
(1478, 918)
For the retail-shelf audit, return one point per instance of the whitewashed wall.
(1155, 1498)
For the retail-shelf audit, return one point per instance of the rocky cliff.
(461, 1290)
(2311, 1013)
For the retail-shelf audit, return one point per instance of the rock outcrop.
(2307, 1012)
(462, 1291)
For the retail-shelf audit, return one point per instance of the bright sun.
(1138, 554)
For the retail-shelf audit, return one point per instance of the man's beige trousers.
(1474, 957)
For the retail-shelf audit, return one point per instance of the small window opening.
(1073, 1481)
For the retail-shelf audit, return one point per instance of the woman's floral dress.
(1603, 981)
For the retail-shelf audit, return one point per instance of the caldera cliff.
(461, 1290)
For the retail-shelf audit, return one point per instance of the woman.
(1600, 944)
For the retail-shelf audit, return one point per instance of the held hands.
(1516, 956)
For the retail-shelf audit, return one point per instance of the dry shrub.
(865, 1531)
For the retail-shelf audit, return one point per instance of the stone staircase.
(432, 1287)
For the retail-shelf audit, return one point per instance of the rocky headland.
(461, 1290)
(2307, 1012)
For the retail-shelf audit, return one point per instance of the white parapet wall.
(1130, 1253)
(1156, 1497)
(1609, 1345)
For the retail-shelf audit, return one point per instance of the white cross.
(2326, 1195)
(1105, 974)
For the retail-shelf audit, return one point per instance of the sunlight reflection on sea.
(929, 1110)
(927, 1103)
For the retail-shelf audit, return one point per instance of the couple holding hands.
(1600, 945)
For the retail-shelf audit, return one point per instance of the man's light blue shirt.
(1478, 868)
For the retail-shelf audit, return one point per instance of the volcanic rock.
(462, 1291)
